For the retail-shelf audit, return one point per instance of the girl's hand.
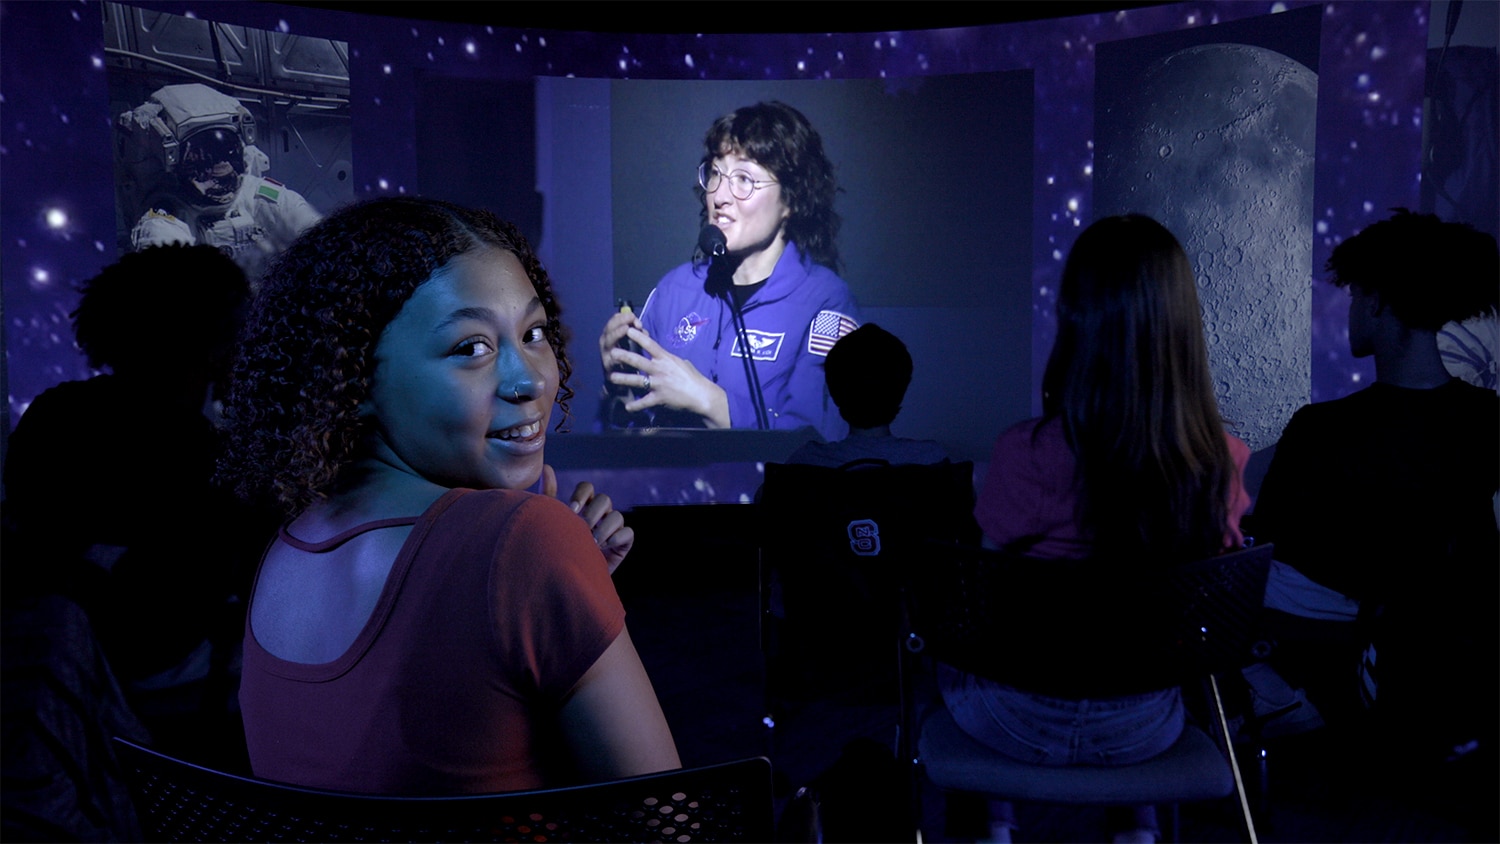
(607, 524)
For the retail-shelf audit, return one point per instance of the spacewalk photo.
(225, 135)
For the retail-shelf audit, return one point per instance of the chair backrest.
(59, 706)
(179, 801)
(837, 540)
(1087, 628)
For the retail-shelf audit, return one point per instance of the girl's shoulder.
(1033, 448)
(1035, 434)
(448, 512)
(469, 500)
(1239, 452)
(481, 511)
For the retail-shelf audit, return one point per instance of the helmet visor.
(212, 162)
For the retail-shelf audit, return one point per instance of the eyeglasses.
(741, 184)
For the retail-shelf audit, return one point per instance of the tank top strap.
(340, 538)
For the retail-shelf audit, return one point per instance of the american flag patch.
(827, 328)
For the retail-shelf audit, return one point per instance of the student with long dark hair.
(1129, 461)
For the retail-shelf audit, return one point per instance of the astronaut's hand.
(158, 228)
(667, 381)
(613, 333)
(607, 524)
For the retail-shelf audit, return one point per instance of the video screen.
(615, 208)
(966, 159)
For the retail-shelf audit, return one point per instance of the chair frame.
(814, 541)
(837, 540)
(180, 801)
(809, 516)
(1208, 612)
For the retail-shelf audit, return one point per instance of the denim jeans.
(1042, 730)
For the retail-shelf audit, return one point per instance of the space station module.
(213, 192)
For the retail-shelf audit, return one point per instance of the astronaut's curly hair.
(308, 354)
(782, 140)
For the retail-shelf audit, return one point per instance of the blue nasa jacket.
(791, 322)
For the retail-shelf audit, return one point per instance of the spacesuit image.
(736, 338)
(205, 174)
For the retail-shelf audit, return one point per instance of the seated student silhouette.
(835, 620)
(109, 493)
(1380, 503)
(867, 372)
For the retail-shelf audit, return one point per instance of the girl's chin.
(523, 477)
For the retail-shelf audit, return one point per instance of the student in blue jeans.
(1129, 461)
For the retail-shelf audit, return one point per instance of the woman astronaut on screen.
(737, 337)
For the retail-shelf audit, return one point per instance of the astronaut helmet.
(213, 164)
(197, 135)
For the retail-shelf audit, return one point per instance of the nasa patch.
(687, 327)
(764, 345)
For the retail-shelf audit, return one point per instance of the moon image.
(1216, 143)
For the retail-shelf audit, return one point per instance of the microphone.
(711, 242)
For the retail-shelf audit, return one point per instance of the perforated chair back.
(179, 801)
(837, 540)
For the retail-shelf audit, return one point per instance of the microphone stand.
(721, 283)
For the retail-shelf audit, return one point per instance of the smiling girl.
(420, 626)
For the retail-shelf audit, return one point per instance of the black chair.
(59, 706)
(180, 801)
(1081, 629)
(833, 542)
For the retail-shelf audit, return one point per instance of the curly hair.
(308, 355)
(118, 319)
(780, 139)
(1426, 271)
(1129, 380)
